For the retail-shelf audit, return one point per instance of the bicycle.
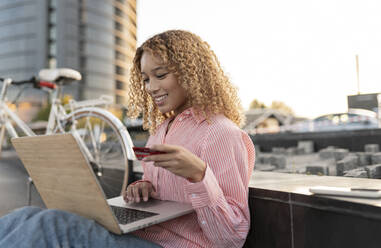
(103, 138)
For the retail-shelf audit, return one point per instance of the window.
(118, 26)
(121, 42)
(53, 33)
(119, 70)
(53, 17)
(53, 3)
(119, 85)
(52, 49)
(120, 99)
(118, 12)
(52, 63)
(120, 56)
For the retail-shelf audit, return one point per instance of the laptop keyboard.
(128, 215)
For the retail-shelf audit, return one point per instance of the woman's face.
(162, 85)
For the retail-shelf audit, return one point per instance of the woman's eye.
(162, 75)
(146, 80)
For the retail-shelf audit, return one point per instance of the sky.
(300, 52)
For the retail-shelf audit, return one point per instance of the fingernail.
(145, 198)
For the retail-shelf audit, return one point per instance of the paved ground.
(297, 163)
(13, 184)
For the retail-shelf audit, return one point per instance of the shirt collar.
(190, 112)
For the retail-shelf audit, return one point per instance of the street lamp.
(379, 110)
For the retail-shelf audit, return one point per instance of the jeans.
(36, 227)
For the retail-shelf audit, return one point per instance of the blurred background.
(308, 72)
(299, 65)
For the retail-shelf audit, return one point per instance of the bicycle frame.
(60, 115)
(6, 114)
(58, 112)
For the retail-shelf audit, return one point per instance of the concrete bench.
(285, 214)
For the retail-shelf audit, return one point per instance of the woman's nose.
(152, 86)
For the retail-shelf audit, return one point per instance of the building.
(266, 120)
(95, 37)
(364, 101)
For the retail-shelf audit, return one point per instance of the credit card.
(142, 152)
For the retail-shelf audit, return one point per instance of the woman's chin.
(164, 110)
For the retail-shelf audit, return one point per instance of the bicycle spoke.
(105, 145)
(91, 136)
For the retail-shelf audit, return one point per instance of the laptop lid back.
(64, 178)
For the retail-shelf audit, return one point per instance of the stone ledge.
(285, 214)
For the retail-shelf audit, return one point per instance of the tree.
(255, 104)
(282, 107)
(43, 113)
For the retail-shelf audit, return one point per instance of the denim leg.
(34, 227)
(15, 219)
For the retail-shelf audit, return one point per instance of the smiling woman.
(201, 157)
(162, 85)
(193, 114)
(194, 66)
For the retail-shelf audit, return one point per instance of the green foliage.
(282, 107)
(43, 114)
(255, 104)
(278, 105)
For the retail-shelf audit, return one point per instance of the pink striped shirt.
(220, 200)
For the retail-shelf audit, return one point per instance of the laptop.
(65, 181)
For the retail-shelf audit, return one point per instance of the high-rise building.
(95, 37)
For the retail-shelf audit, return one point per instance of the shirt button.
(203, 222)
(181, 118)
(187, 112)
(193, 195)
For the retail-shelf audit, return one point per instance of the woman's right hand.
(140, 189)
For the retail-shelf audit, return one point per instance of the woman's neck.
(170, 124)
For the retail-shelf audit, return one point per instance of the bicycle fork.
(2, 132)
(88, 155)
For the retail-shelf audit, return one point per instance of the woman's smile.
(160, 100)
(162, 85)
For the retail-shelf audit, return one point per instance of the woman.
(192, 112)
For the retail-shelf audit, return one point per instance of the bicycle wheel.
(105, 144)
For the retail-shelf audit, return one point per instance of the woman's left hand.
(179, 161)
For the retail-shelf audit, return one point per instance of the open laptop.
(65, 181)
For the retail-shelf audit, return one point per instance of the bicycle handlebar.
(36, 83)
(28, 81)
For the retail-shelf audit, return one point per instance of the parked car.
(351, 120)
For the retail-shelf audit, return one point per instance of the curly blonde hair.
(197, 70)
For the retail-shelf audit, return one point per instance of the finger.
(165, 148)
(145, 191)
(125, 196)
(136, 193)
(160, 157)
(153, 193)
(129, 193)
(165, 164)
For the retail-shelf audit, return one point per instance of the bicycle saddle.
(65, 74)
